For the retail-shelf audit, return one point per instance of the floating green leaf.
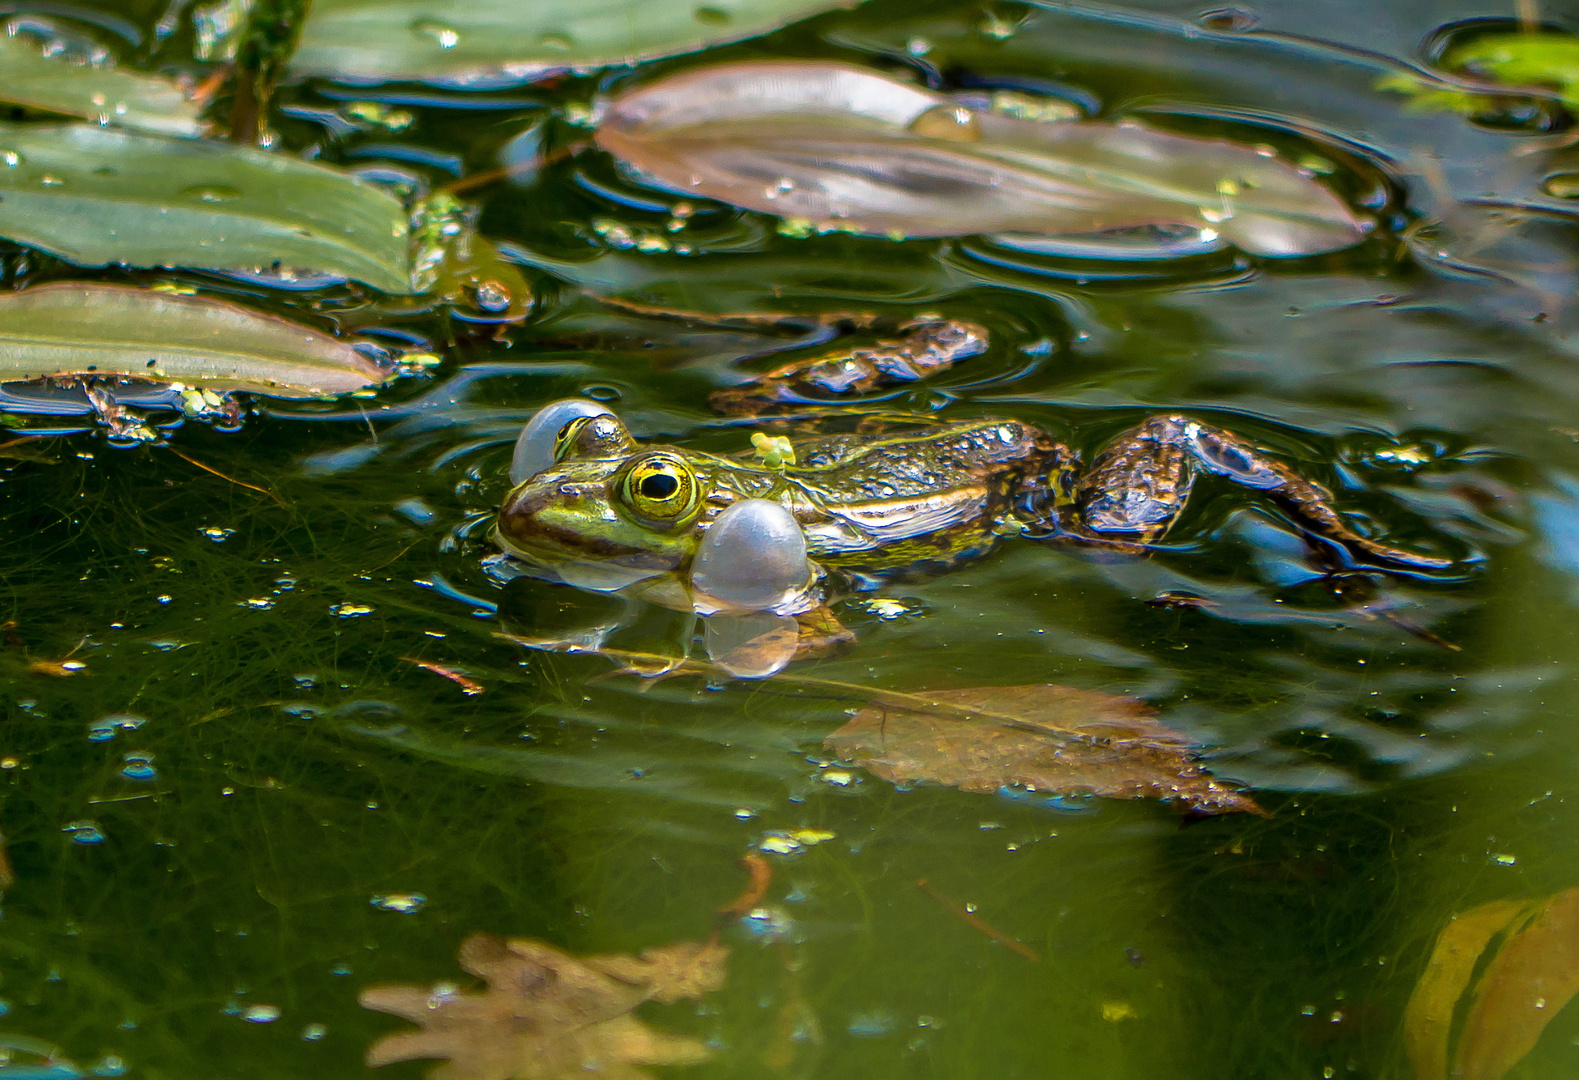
(500, 41)
(95, 90)
(1518, 59)
(76, 329)
(832, 147)
(96, 197)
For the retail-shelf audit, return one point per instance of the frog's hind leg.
(1140, 482)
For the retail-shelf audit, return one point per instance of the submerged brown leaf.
(1533, 975)
(546, 1014)
(1428, 1019)
(1043, 737)
(834, 147)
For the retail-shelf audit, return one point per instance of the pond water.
(253, 801)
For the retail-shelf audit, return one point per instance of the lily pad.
(78, 329)
(833, 147)
(92, 87)
(496, 42)
(96, 197)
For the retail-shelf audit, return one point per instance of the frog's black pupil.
(659, 486)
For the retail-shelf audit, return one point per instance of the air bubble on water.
(340, 969)
(139, 766)
(83, 832)
(918, 46)
(11, 158)
(349, 610)
(260, 1014)
(493, 296)
(314, 1032)
(106, 729)
(400, 903)
(768, 922)
(257, 603)
(415, 511)
(217, 533)
(556, 41)
(871, 1025)
(442, 994)
(445, 35)
(110, 1065)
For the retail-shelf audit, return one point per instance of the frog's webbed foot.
(924, 347)
(1139, 483)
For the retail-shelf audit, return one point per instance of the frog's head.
(602, 512)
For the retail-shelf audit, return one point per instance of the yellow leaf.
(1428, 1018)
(1533, 975)
(1115, 1011)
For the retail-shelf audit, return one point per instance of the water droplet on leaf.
(211, 193)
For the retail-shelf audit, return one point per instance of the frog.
(780, 529)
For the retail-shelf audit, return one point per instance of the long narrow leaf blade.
(96, 197)
(106, 94)
(491, 42)
(82, 329)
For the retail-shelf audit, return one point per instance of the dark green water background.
(303, 768)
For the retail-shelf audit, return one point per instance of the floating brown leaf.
(1043, 737)
(546, 1014)
(1428, 1019)
(1533, 975)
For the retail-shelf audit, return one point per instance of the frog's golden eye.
(661, 489)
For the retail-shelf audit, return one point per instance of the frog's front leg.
(1139, 483)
